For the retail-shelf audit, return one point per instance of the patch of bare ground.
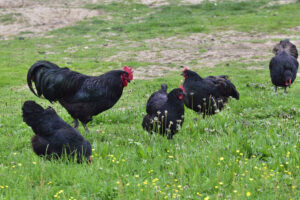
(281, 2)
(297, 29)
(153, 71)
(199, 49)
(157, 3)
(36, 18)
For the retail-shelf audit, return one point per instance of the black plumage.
(284, 65)
(207, 95)
(165, 112)
(157, 99)
(53, 136)
(83, 96)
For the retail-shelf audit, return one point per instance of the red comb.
(129, 71)
(184, 69)
(182, 88)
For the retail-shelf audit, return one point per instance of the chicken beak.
(90, 160)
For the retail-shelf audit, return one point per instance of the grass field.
(250, 150)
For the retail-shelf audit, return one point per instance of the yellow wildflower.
(155, 180)
(293, 187)
(248, 194)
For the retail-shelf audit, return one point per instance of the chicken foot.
(85, 127)
(76, 123)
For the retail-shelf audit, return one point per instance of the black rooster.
(207, 95)
(53, 136)
(83, 96)
(284, 65)
(165, 112)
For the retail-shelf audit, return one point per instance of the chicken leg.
(85, 127)
(76, 123)
(284, 90)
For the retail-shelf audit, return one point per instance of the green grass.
(250, 147)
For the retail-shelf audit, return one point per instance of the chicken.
(207, 95)
(53, 136)
(157, 99)
(284, 65)
(83, 96)
(165, 112)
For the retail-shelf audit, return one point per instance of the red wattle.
(182, 88)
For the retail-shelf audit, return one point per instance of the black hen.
(83, 96)
(165, 112)
(207, 95)
(53, 136)
(284, 65)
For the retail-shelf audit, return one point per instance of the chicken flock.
(85, 96)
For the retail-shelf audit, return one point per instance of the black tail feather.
(227, 87)
(33, 75)
(32, 112)
(164, 87)
(232, 91)
(52, 81)
(287, 46)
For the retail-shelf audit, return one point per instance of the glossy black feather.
(165, 114)
(53, 136)
(157, 99)
(284, 65)
(83, 96)
(209, 94)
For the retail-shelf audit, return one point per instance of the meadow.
(250, 150)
